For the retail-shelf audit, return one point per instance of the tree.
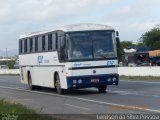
(152, 38)
(125, 44)
(10, 63)
(140, 44)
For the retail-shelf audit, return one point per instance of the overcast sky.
(130, 17)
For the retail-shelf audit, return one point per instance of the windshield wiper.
(103, 56)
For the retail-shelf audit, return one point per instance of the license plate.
(95, 80)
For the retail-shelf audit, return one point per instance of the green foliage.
(152, 38)
(125, 44)
(11, 109)
(141, 45)
(10, 63)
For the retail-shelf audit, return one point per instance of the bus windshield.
(91, 45)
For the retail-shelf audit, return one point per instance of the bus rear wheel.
(31, 87)
(58, 85)
(102, 88)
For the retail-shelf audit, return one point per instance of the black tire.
(58, 85)
(31, 87)
(102, 88)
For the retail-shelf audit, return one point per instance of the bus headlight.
(109, 80)
(74, 81)
(80, 81)
(114, 79)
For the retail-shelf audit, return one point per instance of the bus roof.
(72, 28)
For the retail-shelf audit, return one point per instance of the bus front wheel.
(102, 88)
(58, 85)
(31, 87)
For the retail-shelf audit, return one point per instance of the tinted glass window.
(31, 44)
(103, 44)
(90, 45)
(50, 42)
(25, 45)
(43, 43)
(36, 44)
(54, 40)
(20, 46)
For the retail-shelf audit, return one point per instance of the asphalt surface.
(128, 97)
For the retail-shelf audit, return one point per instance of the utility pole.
(7, 57)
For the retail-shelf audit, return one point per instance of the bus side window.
(50, 42)
(20, 46)
(36, 44)
(31, 45)
(28, 49)
(25, 46)
(43, 43)
(54, 41)
(40, 44)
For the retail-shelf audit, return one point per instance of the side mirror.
(118, 42)
(117, 33)
(118, 47)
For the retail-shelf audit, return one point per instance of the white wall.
(139, 71)
(9, 71)
(127, 71)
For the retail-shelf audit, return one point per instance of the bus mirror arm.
(118, 46)
(117, 42)
(117, 33)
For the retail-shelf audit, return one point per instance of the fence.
(139, 71)
(9, 71)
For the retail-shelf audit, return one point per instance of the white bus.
(70, 57)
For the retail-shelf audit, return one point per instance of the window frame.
(39, 43)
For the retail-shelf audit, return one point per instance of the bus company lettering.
(81, 65)
(77, 65)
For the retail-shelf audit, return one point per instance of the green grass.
(19, 112)
(9, 75)
(140, 78)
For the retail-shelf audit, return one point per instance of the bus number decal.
(110, 62)
(40, 59)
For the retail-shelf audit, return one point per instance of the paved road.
(128, 97)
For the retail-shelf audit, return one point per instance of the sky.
(131, 18)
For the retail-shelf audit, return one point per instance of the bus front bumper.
(92, 81)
